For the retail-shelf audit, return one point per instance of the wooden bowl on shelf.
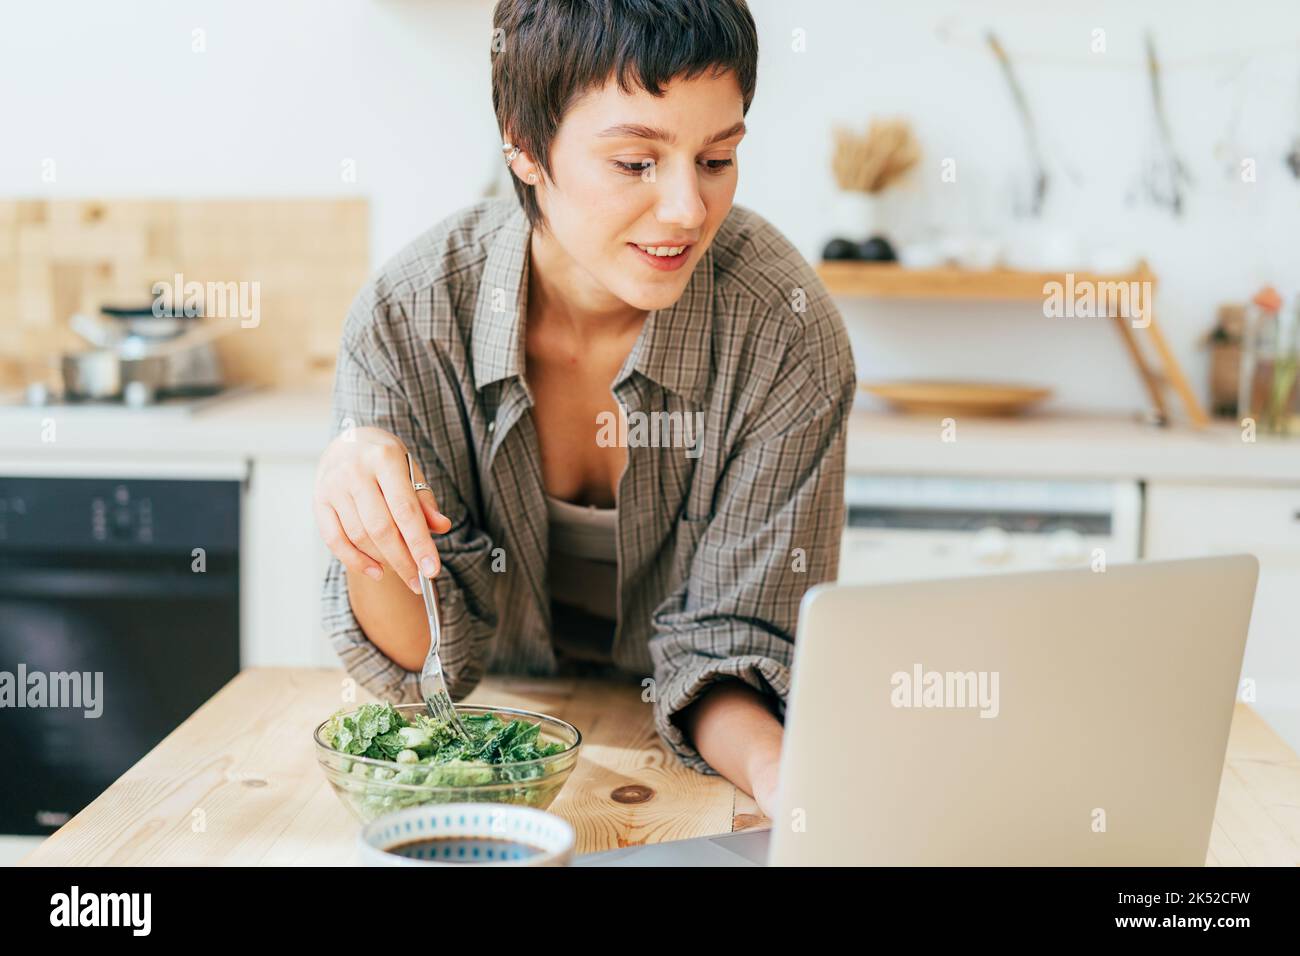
(983, 399)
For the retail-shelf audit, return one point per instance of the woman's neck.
(562, 293)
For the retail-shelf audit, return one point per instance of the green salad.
(427, 753)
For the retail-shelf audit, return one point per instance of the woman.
(627, 396)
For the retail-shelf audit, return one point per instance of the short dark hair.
(547, 53)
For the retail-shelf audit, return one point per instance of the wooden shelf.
(892, 281)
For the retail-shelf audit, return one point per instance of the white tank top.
(583, 574)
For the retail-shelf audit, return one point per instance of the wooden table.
(238, 783)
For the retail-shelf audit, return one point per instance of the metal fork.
(433, 687)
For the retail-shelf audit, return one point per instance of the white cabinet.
(1192, 520)
(283, 566)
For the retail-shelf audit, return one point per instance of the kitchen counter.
(294, 423)
(1070, 447)
(238, 783)
(275, 423)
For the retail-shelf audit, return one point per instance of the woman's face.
(634, 169)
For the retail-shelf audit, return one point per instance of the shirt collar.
(672, 349)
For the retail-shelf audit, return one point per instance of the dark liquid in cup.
(465, 850)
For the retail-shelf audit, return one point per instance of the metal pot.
(95, 374)
(186, 364)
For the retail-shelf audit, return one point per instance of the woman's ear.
(520, 163)
(526, 169)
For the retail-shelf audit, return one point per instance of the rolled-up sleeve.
(773, 533)
(376, 385)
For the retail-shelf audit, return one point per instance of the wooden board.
(309, 258)
(238, 783)
(890, 280)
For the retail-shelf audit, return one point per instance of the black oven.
(119, 617)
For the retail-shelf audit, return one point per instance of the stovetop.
(171, 404)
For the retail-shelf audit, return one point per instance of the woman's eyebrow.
(638, 131)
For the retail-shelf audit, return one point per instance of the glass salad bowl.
(371, 787)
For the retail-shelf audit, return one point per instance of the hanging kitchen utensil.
(1293, 157)
(1166, 175)
(1026, 121)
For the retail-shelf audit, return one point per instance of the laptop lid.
(1045, 718)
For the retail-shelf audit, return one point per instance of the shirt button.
(492, 426)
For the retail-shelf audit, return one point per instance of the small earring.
(532, 179)
(514, 151)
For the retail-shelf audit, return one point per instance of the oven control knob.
(1065, 546)
(991, 545)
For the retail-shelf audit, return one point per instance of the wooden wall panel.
(57, 258)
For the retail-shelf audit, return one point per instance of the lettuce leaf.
(373, 731)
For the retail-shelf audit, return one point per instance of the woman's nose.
(680, 202)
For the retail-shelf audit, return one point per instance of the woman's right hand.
(367, 511)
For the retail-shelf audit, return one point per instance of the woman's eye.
(636, 169)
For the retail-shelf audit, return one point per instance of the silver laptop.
(1054, 718)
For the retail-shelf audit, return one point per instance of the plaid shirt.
(717, 543)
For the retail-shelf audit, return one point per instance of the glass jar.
(1270, 361)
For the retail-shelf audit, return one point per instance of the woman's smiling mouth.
(665, 258)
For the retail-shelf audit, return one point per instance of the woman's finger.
(346, 511)
(437, 521)
(341, 546)
(372, 508)
(409, 514)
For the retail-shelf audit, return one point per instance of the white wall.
(288, 90)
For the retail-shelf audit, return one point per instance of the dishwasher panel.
(918, 527)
